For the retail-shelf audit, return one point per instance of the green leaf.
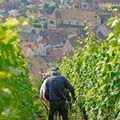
(12, 22)
(5, 74)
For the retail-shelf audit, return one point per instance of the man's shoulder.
(54, 77)
(62, 76)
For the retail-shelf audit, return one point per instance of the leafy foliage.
(39, 24)
(15, 88)
(49, 9)
(95, 72)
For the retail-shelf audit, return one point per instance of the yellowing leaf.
(103, 86)
(12, 22)
(9, 34)
(110, 36)
(5, 74)
(25, 23)
(114, 23)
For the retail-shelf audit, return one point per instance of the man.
(55, 88)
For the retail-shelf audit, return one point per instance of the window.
(91, 5)
(84, 6)
(77, 23)
(62, 22)
(51, 22)
(69, 22)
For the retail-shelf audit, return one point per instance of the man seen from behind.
(55, 88)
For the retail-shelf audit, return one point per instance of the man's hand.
(74, 98)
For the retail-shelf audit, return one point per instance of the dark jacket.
(55, 88)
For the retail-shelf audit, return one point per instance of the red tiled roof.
(1, 6)
(96, 1)
(34, 47)
(73, 40)
(38, 61)
(55, 37)
(78, 2)
(43, 41)
(25, 49)
(57, 53)
(31, 45)
(39, 66)
(25, 44)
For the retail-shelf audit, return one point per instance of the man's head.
(55, 71)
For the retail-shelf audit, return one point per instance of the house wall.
(103, 30)
(42, 51)
(48, 48)
(68, 47)
(73, 22)
(56, 23)
(29, 52)
(95, 23)
(58, 45)
(87, 6)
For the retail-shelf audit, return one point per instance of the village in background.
(56, 27)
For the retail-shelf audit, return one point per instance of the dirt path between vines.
(39, 118)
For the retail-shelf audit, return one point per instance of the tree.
(49, 9)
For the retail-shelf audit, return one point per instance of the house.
(7, 5)
(114, 3)
(102, 32)
(77, 4)
(34, 52)
(87, 5)
(71, 43)
(38, 66)
(25, 36)
(34, 48)
(73, 17)
(64, 2)
(13, 13)
(34, 1)
(1, 5)
(41, 51)
(96, 4)
(56, 54)
(54, 19)
(27, 51)
(56, 38)
(49, 2)
(28, 48)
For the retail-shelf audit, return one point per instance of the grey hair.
(55, 71)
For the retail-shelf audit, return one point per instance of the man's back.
(55, 92)
(56, 86)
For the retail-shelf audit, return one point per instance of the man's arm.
(69, 87)
(47, 89)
